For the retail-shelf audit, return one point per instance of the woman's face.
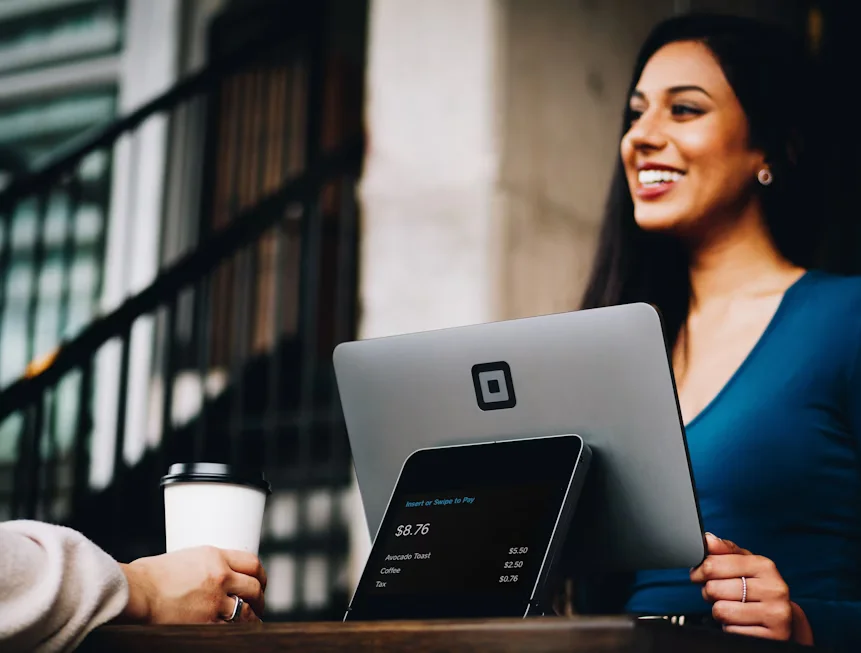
(686, 154)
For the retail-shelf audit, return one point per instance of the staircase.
(238, 329)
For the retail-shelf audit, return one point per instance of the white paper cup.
(215, 505)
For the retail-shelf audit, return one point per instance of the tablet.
(473, 531)
(603, 373)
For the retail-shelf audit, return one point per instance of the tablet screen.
(467, 530)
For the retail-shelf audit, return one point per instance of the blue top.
(775, 457)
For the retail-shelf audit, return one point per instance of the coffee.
(213, 504)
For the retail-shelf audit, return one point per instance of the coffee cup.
(213, 504)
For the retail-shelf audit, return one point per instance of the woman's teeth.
(654, 177)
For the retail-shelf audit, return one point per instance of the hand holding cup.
(211, 572)
(195, 585)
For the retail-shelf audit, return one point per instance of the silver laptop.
(603, 374)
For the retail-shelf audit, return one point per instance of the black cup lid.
(215, 473)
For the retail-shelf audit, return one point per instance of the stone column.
(565, 69)
(427, 195)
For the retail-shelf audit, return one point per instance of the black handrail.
(247, 226)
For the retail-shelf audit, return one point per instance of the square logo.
(494, 389)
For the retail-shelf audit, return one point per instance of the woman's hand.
(759, 605)
(194, 586)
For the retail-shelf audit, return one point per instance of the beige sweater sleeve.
(55, 587)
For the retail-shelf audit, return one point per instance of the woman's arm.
(55, 587)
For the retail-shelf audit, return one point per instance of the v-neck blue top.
(776, 464)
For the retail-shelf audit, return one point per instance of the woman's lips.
(654, 180)
(654, 191)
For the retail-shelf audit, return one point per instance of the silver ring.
(237, 610)
(743, 589)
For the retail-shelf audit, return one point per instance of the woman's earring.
(765, 177)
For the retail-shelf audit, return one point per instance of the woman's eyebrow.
(688, 87)
(673, 90)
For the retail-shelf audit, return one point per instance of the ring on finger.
(743, 589)
(237, 610)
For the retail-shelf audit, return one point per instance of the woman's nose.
(647, 132)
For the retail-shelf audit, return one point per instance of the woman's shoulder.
(833, 301)
(832, 289)
(825, 314)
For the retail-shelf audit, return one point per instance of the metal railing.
(226, 354)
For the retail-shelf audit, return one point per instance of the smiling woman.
(716, 214)
(688, 142)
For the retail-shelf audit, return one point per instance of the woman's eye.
(684, 110)
(634, 115)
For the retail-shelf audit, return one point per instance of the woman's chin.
(650, 219)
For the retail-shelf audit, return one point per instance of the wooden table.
(545, 635)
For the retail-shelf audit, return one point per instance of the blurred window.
(59, 75)
(35, 33)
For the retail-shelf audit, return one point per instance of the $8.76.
(404, 530)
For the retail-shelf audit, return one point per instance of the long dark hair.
(774, 80)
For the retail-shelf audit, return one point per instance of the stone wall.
(565, 68)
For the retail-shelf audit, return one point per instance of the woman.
(56, 586)
(716, 216)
